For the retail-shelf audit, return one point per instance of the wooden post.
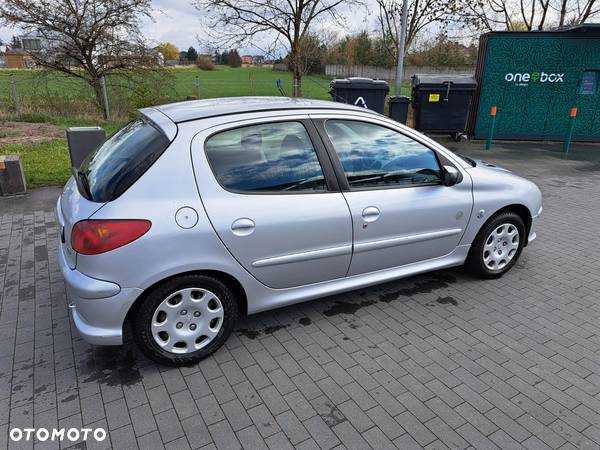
(105, 98)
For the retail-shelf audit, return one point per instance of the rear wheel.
(497, 246)
(185, 319)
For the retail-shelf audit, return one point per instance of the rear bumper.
(98, 307)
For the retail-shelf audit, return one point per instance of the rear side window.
(110, 170)
(266, 158)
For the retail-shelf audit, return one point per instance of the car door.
(270, 193)
(401, 211)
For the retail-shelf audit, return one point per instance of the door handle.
(243, 227)
(370, 214)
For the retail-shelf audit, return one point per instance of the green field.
(66, 101)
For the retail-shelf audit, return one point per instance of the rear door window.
(266, 158)
(110, 170)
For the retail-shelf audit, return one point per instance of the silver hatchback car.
(199, 212)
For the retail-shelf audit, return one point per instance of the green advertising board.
(534, 79)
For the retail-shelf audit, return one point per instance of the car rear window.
(111, 169)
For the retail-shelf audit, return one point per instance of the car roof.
(200, 109)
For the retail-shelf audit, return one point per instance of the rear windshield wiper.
(82, 183)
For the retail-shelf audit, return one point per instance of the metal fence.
(389, 73)
(37, 92)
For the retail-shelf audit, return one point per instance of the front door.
(401, 212)
(271, 196)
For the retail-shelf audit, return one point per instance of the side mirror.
(450, 176)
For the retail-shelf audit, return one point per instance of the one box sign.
(433, 98)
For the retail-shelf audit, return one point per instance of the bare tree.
(289, 21)
(421, 15)
(87, 39)
(527, 15)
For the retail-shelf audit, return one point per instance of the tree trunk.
(96, 85)
(297, 80)
(296, 72)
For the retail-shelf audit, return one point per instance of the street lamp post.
(401, 45)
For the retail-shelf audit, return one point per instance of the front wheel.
(497, 246)
(185, 320)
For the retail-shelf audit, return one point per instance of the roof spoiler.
(161, 121)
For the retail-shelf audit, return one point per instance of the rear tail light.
(92, 237)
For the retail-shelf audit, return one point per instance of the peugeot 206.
(199, 212)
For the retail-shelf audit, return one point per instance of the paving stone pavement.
(440, 360)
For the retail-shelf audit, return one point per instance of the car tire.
(497, 246)
(185, 319)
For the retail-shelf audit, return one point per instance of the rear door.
(401, 211)
(269, 191)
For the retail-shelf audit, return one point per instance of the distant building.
(18, 54)
(247, 59)
(31, 42)
(16, 59)
(258, 59)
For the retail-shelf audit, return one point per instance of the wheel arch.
(521, 210)
(229, 280)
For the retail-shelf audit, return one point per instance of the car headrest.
(291, 143)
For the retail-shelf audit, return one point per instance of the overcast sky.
(177, 21)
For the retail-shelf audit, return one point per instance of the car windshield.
(111, 169)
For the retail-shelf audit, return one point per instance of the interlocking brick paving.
(435, 361)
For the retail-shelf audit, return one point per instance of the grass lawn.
(44, 164)
(47, 163)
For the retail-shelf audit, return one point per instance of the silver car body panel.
(238, 106)
(494, 189)
(181, 177)
(291, 231)
(426, 221)
(72, 207)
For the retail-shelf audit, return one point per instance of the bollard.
(12, 178)
(490, 136)
(569, 135)
(197, 87)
